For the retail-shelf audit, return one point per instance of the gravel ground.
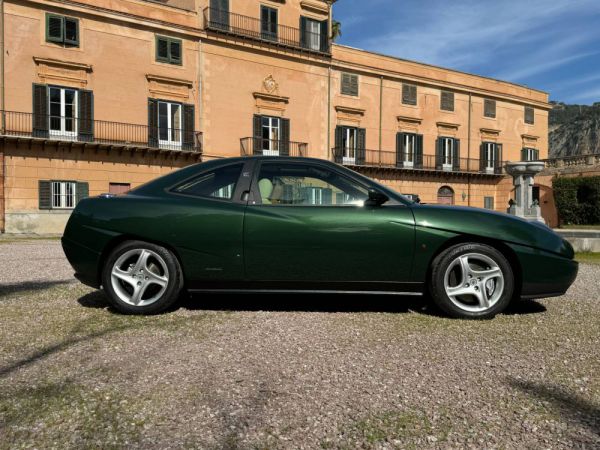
(289, 371)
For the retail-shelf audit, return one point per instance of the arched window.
(445, 196)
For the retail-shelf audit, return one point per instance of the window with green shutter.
(530, 154)
(62, 30)
(447, 101)
(409, 94)
(169, 50)
(529, 115)
(488, 202)
(489, 108)
(60, 194)
(350, 84)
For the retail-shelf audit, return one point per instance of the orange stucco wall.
(225, 78)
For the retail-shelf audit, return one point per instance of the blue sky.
(552, 45)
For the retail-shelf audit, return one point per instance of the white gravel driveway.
(289, 371)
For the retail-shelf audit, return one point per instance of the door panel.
(321, 243)
(207, 223)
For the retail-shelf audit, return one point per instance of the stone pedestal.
(523, 173)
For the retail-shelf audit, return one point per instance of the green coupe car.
(280, 224)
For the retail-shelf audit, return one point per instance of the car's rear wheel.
(472, 281)
(141, 278)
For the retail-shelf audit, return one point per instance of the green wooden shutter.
(152, 122)
(188, 127)
(162, 49)
(399, 149)
(482, 157)
(45, 194)
(71, 31)
(439, 154)
(498, 159)
(529, 115)
(456, 155)
(418, 162)
(447, 101)
(175, 51)
(257, 134)
(284, 143)
(409, 94)
(54, 28)
(524, 154)
(40, 120)
(338, 151)
(86, 115)
(349, 84)
(304, 32)
(361, 139)
(536, 155)
(82, 190)
(489, 108)
(325, 36)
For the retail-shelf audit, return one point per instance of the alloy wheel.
(139, 277)
(474, 282)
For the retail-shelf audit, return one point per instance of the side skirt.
(277, 287)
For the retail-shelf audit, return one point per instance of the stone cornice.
(409, 119)
(490, 131)
(350, 110)
(169, 80)
(64, 64)
(270, 97)
(312, 6)
(448, 125)
(530, 137)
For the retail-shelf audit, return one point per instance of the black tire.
(437, 282)
(166, 296)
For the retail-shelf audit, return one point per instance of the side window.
(304, 185)
(219, 183)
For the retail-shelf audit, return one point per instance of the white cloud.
(515, 39)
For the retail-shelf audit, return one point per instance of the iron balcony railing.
(270, 147)
(223, 21)
(390, 160)
(62, 128)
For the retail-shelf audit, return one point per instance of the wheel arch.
(506, 251)
(118, 240)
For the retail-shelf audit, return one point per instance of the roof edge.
(524, 86)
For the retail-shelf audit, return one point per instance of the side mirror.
(376, 198)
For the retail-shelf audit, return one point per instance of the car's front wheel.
(141, 278)
(472, 281)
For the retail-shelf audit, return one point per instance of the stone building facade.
(100, 96)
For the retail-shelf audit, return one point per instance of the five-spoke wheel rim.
(140, 277)
(474, 282)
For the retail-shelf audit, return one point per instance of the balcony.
(388, 160)
(100, 132)
(225, 22)
(269, 147)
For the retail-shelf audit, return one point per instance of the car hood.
(493, 225)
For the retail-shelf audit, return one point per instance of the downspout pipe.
(469, 153)
(380, 115)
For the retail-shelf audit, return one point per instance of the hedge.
(577, 200)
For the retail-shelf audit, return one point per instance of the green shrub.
(577, 200)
